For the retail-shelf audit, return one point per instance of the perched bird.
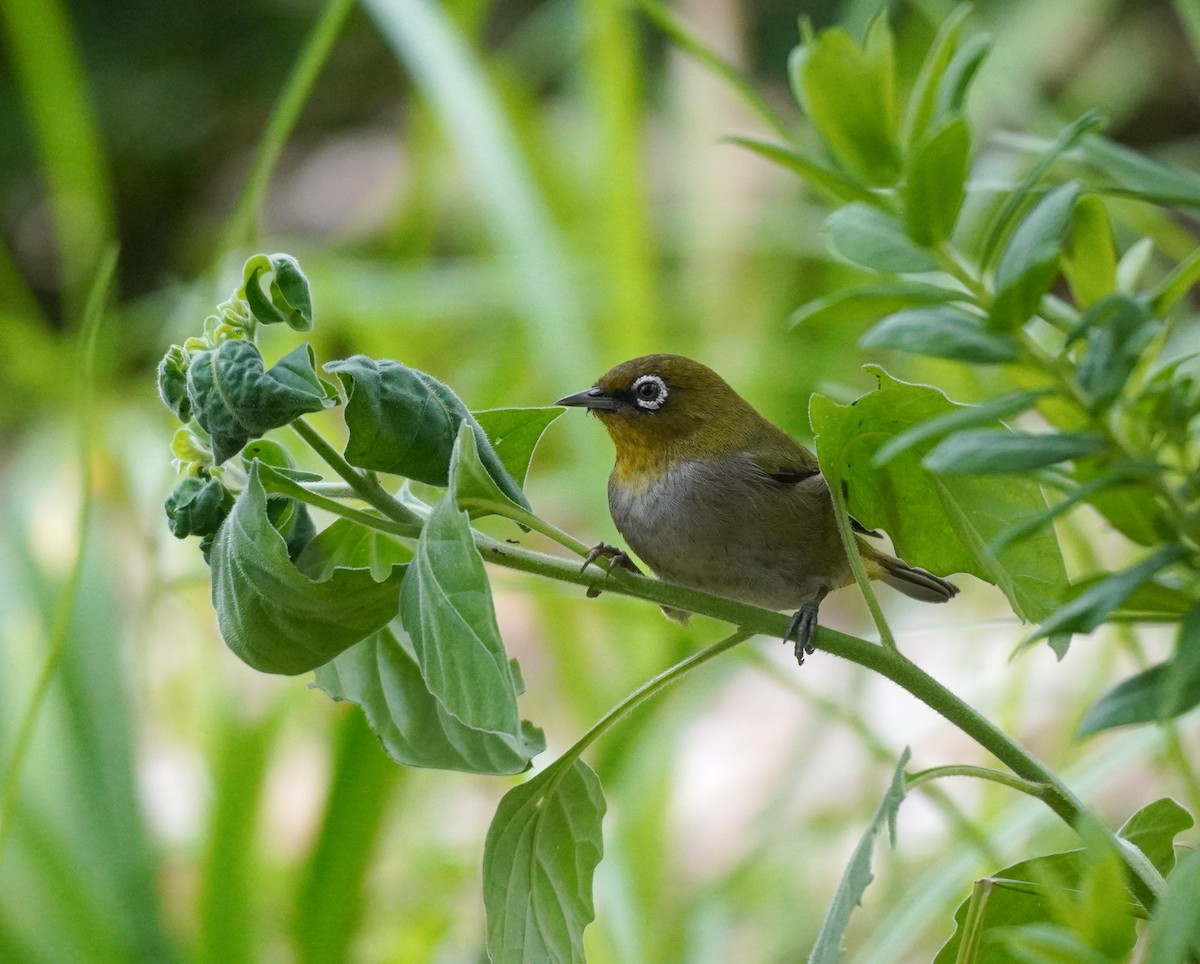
(713, 496)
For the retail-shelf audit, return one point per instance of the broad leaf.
(515, 433)
(998, 451)
(276, 290)
(936, 182)
(347, 545)
(942, 332)
(941, 524)
(876, 240)
(404, 422)
(234, 399)
(541, 852)
(1153, 830)
(275, 618)
(857, 876)
(446, 608)
(1090, 259)
(381, 674)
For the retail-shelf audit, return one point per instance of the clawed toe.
(803, 627)
(615, 557)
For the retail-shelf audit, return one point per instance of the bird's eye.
(649, 391)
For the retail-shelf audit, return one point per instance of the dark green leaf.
(515, 433)
(446, 608)
(1139, 175)
(857, 876)
(1090, 608)
(196, 507)
(869, 237)
(541, 852)
(961, 417)
(1133, 700)
(276, 290)
(1181, 687)
(172, 382)
(941, 524)
(870, 301)
(1153, 830)
(235, 400)
(275, 618)
(922, 103)
(848, 94)
(998, 451)
(404, 421)
(942, 332)
(936, 182)
(381, 674)
(834, 183)
(1117, 329)
(1090, 259)
(1030, 261)
(1175, 926)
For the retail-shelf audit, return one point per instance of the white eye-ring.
(649, 391)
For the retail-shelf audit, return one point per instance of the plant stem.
(1037, 790)
(850, 544)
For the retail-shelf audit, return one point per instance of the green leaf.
(1176, 285)
(404, 422)
(857, 876)
(922, 103)
(172, 382)
(954, 86)
(999, 451)
(864, 302)
(196, 507)
(942, 524)
(1174, 934)
(235, 400)
(1153, 830)
(941, 332)
(848, 94)
(275, 618)
(869, 237)
(541, 852)
(936, 182)
(837, 185)
(1181, 687)
(963, 416)
(446, 608)
(1090, 608)
(276, 290)
(344, 544)
(1030, 261)
(1134, 173)
(515, 433)
(381, 674)
(473, 488)
(1118, 330)
(1133, 700)
(1090, 259)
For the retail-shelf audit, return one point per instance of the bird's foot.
(615, 557)
(802, 628)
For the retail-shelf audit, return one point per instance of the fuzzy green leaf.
(277, 291)
(941, 332)
(196, 507)
(942, 524)
(869, 237)
(172, 383)
(234, 399)
(274, 617)
(541, 853)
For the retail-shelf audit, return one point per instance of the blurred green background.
(513, 196)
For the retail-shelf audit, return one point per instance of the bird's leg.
(803, 627)
(615, 557)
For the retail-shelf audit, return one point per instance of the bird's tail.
(910, 580)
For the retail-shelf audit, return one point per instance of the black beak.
(593, 398)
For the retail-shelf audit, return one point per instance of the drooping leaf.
(235, 399)
(277, 291)
(874, 239)
(857, 876)
(275, 618)
(987, 451)
(942, 332)
(541, 852)
(381, 674)
(1030, 261)
(172, 383)
(515, 433)
(936, 180)
(942, 524)
(404, 422)
(446, 609)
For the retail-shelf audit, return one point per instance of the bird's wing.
(800, 466)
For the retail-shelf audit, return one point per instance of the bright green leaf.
(857, 876)
(869, 237)
(1153, 830)
(344, 544)
(922, 103)
(541, 853)
(936, 182)
(1174, 286)
(172, 383)
(515, 433)
(276, 290)
(998, 451)
(275, 618)
(837, 185)
(941, 524)
(955, 84)
(1089, 260)
(942, 332)
(234, 399)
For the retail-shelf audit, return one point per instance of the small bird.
(714, 497)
